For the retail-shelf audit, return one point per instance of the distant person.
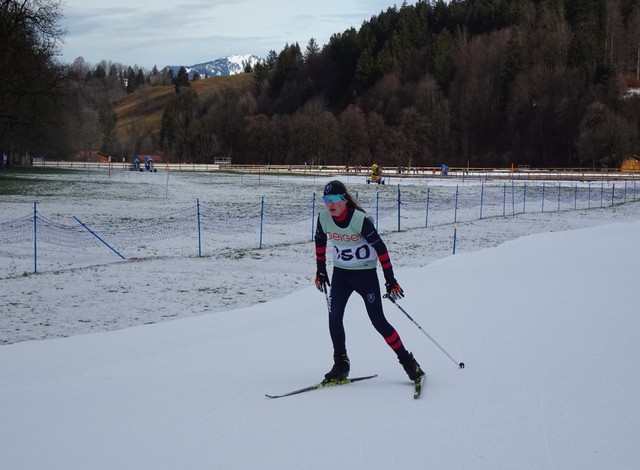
(4, 160)
(357, 247)
(148, 163)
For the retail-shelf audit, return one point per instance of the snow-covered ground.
(541, 307)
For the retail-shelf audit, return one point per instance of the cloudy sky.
(163, 32)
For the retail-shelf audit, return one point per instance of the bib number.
(352, 256)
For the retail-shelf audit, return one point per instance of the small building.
(630, 164)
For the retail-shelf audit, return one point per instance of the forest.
(473, 83)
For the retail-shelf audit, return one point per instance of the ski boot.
(412, 368)
(340, 369)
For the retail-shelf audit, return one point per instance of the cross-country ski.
(323, 384)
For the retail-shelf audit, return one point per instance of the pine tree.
(181, 80)
(311, 50)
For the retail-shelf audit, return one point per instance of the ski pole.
(459, 364)
(326, 296)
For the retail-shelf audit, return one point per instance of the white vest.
(350, 249)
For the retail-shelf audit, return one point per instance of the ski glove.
(322, 281)
(394, 291)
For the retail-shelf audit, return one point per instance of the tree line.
(473, 83)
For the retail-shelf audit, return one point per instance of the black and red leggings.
(365, 282)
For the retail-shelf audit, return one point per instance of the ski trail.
(545, 436)
(466, 446)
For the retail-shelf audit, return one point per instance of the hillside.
(141, 111)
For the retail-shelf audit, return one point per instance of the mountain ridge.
(225, 66)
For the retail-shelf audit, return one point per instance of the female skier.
(357, 247)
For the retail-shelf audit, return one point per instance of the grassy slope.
(142, 110)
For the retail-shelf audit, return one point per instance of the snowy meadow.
(161, 360)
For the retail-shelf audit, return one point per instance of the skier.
(357, 247)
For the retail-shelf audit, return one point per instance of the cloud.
(162, 33)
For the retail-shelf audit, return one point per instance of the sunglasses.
(334, 198)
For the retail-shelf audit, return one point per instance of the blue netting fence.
(266, 222)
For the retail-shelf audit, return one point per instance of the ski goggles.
(334, 198)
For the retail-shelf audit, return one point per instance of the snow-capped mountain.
(224, 66)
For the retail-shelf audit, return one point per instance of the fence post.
(261, 219)
(524, 198)
(481, 198)
(504, 199)
(454, 240)
(455, 209)
(313, 215)
(199, 231)
(426, 219)
(559, 191)
(166, 188)
(613, 194)
(398, 207)
(35, 237)
(377, 207)
(543, 188)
